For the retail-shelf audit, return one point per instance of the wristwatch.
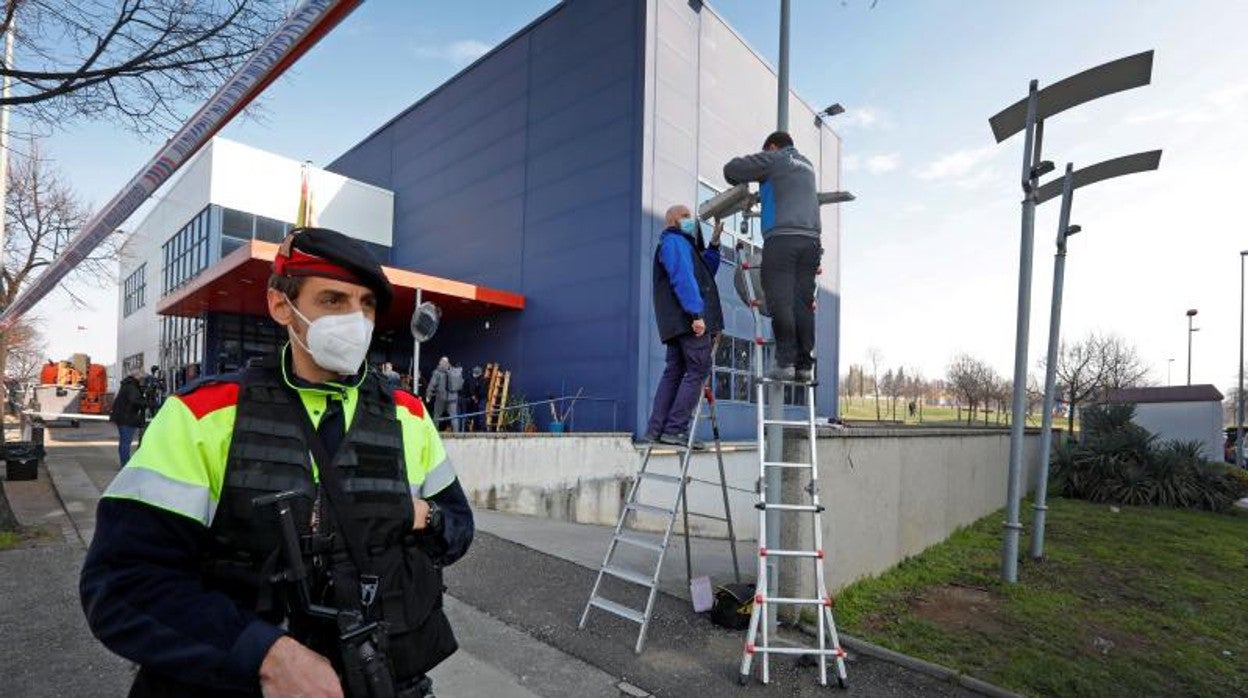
(433, 520)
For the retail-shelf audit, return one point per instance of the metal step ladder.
(623, 536)
(829, 645)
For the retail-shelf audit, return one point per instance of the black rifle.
(362, 645)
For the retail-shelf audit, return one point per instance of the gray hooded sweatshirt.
(788, 190)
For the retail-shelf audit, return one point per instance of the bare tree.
(138, 63)
(1093, 366)
(27, 350)
(967, 376)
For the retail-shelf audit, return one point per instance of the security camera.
(725, 204)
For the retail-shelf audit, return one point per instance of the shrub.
(1120, 462)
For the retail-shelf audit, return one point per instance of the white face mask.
(337, 343)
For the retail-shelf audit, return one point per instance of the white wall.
(1186, 421)
(256, 181)
(889, 493)
(173, 206)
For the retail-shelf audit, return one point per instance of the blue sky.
(930, 249)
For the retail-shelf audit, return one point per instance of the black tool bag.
(733, 605)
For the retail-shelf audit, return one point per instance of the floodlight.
(726, 203)
(834, 197)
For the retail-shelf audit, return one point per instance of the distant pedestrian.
(440, 395)
(390, 376)
(474, 399)
(688, 313)
(128, 412)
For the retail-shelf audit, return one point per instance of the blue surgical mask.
(688, 225)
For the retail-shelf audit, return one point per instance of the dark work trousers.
(688, 363)
(789, 266)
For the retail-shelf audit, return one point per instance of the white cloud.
(460, 52)
(864, 117)
(1223, 104)
(850, 163)
(879, 164)
(957, 164)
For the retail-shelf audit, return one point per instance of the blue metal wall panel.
(520, 173)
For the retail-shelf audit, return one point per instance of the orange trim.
(402, 398)
(210, 398)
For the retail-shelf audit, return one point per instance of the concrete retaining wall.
(890, 493)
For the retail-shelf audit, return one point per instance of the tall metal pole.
(1031, 157)
(1239, 414)
(416, 352)
(775, 392)
(1190, 315)
(1050, 368)
(782, 94)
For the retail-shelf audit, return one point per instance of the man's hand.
(421, 508)
(290, 669)
(719, 230)
(699, 327)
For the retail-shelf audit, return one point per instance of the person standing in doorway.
(438, 393)
(791, 230)
(687, 310)
(128, 412)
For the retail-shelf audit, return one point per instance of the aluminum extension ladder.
(650, 580)
(829, 644)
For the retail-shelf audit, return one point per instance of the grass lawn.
(1146, 601)
(858, 409)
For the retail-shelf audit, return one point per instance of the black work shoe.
(681, 439)
(650, 438)
(804, 375)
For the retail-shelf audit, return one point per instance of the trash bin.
(21, 460)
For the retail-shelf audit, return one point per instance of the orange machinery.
(93, 399)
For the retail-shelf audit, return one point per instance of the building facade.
(227, 196)
(545, 168)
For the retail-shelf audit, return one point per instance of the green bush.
(1120, 462)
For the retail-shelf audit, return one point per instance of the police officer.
(184, 576)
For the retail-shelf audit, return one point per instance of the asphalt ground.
(685, 654)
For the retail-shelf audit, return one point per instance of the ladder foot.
(840, 682)
(743, 679)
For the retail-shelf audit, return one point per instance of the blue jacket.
(684, 285)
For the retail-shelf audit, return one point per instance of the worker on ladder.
(791, 230)
(687, 310)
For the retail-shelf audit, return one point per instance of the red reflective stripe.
(304, 264)
(210, 398)
(411, 402)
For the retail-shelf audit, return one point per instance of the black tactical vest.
(268, 455)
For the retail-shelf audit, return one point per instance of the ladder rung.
(650, 508)
(799, 650)
(618, 609)
(792, 553)
(629, 576)
(786, 423)
(712, 517)
(793, 601)
(660, 477)
(770, 464)
(640, 542)
(790, 507)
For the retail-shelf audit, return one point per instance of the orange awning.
(236, 284)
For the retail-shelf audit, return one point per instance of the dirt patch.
(960, 608)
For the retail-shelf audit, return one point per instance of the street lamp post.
(1239, 396)
(1028, 115)
(1117, 167)
(1190, 314)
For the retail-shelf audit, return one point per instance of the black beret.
(332, 255)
